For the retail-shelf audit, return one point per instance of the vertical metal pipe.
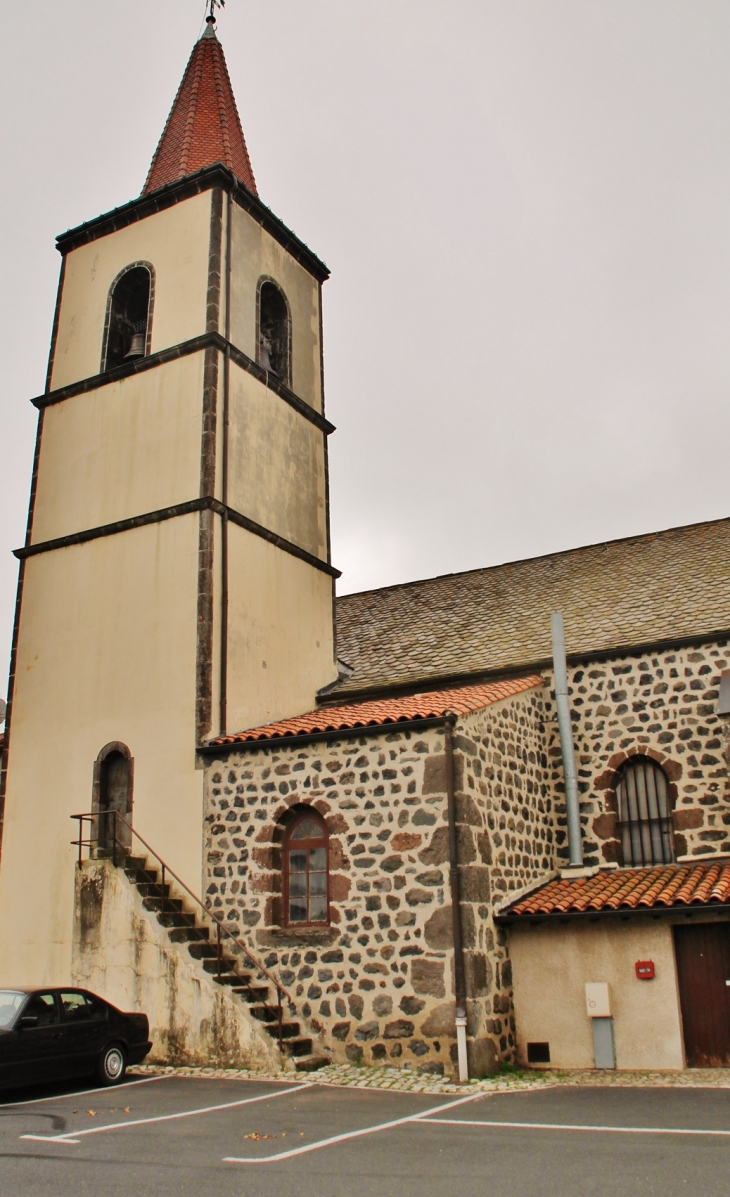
(575, 837)
(459, 970)
(223, 698)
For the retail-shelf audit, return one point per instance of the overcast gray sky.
(525, 206)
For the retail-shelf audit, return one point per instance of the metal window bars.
(118, 845)
(644, 816)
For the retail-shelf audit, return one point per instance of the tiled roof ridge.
(690, 883)
(186, 136)
(192, 110)
(583, 548)
(379, 712)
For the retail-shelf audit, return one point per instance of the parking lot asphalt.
(188, 1136)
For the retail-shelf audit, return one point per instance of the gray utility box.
(604, 1048)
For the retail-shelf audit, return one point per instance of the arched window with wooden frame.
(274, 330)
(128, 326)
(645, 825)
(306, 871)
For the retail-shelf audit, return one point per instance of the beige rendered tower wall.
(176, 580)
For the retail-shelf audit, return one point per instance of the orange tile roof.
(390, 710)
(203, 126)
(665, 886)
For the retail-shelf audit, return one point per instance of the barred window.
(305, 871)
(643, 803)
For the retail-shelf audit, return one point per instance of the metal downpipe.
(572, 803)
(459, 970)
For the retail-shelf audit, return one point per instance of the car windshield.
(10, 1003)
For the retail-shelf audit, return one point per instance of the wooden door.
(703, 968)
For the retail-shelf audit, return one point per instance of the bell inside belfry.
(137, 344)
(265, 353)
(129, 316)
(274, 332)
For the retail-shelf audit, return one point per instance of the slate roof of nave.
(642, 590)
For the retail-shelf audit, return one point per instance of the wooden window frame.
(313, 843)
(639, 831)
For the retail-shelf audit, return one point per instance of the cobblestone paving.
(411, 1081)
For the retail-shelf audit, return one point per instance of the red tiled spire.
(203, 126)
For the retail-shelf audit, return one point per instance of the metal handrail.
(81, 843)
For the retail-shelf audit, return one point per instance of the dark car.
(55, 1034)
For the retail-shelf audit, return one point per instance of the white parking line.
(14, 1105)
(559, 1126)
(74, 1137)
(368, 1130)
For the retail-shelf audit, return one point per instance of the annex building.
(298, 828)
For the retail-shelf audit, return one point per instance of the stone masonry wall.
(507, 803)
(377, 984)
(664, 706)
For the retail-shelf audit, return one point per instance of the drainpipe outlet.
(461, 1045)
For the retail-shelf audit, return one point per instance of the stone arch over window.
(273, 329)
(113, 792)
(644, 812)
(128, 324)
(608, 825)
(305, 869)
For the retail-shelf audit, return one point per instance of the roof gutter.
(624, 912)
(345, 733)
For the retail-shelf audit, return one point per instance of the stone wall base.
(122, 952)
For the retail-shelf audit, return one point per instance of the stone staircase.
(187, 928)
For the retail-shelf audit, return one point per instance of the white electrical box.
(598, 1002)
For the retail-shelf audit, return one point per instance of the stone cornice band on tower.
(184, 349)
(205, 503)
(217, 175)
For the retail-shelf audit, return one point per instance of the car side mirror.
(28, 1020)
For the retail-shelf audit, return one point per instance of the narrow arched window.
(305, 871)
(643, 802)
(128, 317)
(274, 346)
(113, 772)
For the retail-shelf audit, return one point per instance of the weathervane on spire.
(214, 4)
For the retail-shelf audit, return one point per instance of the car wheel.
(112, 1065)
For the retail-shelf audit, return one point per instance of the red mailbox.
(644, 970)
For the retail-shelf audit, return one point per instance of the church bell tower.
(175, 582)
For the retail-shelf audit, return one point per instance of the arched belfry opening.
(274, 342)
(113, 777)
(129, 316)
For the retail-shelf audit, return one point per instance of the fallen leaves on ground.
(91, 1113)
(257, 1138)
